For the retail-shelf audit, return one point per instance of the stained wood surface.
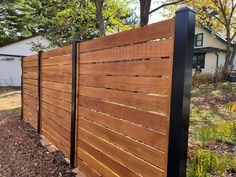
(123, 101)
(30, 89)
(150, 32)
(153, 49)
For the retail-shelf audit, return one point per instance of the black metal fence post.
(22, 88)
(39, 91)
(74, 101)
(181, 92)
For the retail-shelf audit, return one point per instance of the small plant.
(231, 106)
(204, 163)
(202, 79)
(225, 132)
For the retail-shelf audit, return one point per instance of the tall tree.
(100, 19)
(144, 11)
(18, 18)
(220, 15)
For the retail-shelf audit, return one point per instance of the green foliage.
(19, 18)
(204, 163)
(61, 19)
(202, 79)
(225, 132)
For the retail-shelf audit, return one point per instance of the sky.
(154, 17)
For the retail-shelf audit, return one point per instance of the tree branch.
(164, 5)
(232, 38)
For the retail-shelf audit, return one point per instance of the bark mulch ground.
(21, 153)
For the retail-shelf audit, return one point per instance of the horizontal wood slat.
(65, 115)
(99, 167)
(145, 102)
(33, 88)
(60, 69)
(146, 119)
(63, 78)
(87, 170)
(156, 67)
(136, 84)
(57, 52)
(106, 160)
(136, 148)
(150, 32)
(31, 69)
(139, 133)
(57, 102)
(132, 162)
(154, 49)
(33, 63)
(30, 58)
(57, 94)
(30, 75)
(57, 86)
(57, 60)
(55, 139)
(30, 81)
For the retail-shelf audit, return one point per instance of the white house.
(10, 58)
(209, 50)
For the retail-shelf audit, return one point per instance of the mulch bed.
(21, 153)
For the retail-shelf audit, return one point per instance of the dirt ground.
(21, 153)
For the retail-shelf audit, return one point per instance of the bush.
(204, 163)
(202, 79)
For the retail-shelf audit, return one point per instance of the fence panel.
(117, 105)
(124, 102)
(30, 90)
(56, 97)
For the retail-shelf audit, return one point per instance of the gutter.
(10, 55)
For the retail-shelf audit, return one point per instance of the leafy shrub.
(202, 79)
(225, 132)
(204, 163)
(231, 106)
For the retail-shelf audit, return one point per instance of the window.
(199, 60)
(198, 40)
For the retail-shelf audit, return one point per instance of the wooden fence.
(117, 105)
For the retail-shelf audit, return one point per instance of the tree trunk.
(99, 16)
(144, 11)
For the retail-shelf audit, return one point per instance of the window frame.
(197, 56)
(196, 41)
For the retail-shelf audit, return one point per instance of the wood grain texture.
(147, 33)
(87, 170)
(144, 118)
(152, 138)
(141, 101)
(57, 94)
(57, 60)
(62, 78)
(153, 49)
(31, 58)
(63, 87)
(57, 52)
(132, 162)
(126, 83)
(132, 68)
(106, 160)
(65, 115)
(137, 149)
(59, 69)
(98, 166)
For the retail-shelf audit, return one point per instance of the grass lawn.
(212, 142)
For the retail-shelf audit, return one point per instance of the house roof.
(22, 39)
(218, 35)
(208, 49)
